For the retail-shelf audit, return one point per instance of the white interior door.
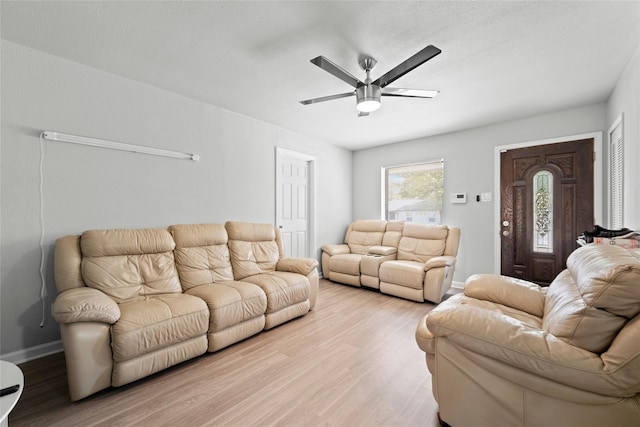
(294, 190)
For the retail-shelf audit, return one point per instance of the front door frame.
(311, 193)
(597, 183)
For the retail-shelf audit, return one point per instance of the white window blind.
(616, 176)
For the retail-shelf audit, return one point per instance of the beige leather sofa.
(511, 353)
(412, 261)
(134, 302)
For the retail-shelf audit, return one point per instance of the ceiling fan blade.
(415, 61)
(334, 69)
(326, 98)
(409, 93)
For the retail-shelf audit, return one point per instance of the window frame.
(615, 200)
(385, 172)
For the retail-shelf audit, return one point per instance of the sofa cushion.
(421, 242)
(589, 302)
(127, 264)
(346, 264)
(201, 254)
(283, 289)
(151, 323)
(253, 248)
(250, 232)
(608, 278)
(393, 233)
(231, 303)
(365, 233)
(405, 273)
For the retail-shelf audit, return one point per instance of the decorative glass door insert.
(543, 212)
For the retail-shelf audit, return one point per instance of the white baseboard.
(31, 353)
(457, 285)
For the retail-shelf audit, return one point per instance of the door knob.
(505, 233)
(505, 223)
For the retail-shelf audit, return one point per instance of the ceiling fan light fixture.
(368, 92)
(368, 98)
(368, 106)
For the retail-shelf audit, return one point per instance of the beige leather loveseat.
(411, 261)
(135, 302)
(511, 353)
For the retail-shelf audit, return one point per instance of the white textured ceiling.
(500, 60)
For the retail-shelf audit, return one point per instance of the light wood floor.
(352, 361)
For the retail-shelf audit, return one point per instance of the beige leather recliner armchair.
(424, 264)
(511, 353)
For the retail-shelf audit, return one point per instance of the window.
(543, 212)
(414, 193)
(616, 163)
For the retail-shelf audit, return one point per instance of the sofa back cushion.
(589, 302)
(254, 248)
(128, 264)
(201, 254)
(67, 263)
(421, 242)
(392, 233)
(364, 233)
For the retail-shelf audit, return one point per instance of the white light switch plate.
(485, 197)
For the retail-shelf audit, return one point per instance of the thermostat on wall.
(458, 197)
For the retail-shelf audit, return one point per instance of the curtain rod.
(94, 142)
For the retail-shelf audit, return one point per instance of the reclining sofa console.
(411, 261)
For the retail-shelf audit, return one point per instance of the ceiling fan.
(368, 93)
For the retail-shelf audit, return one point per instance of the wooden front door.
(546, 196)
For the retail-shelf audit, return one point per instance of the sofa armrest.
(424, 337)
(519, 294)
(382, 250)
(85, 305)
(440, 261)
(336, 249)
(495, 340)
(302, 266)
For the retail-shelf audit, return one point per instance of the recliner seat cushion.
(283, 289)
(153, 323)
(231, 303)
(406, 273)
(345, 263)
